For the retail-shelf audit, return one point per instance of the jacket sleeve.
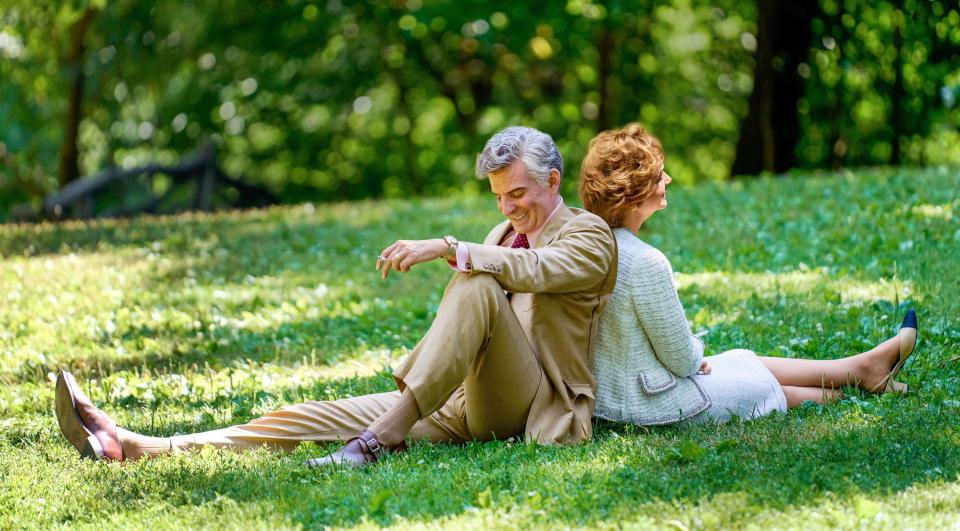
(578, 259)
(660, 313)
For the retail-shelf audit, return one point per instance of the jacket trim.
(649, 388)
(661, 420)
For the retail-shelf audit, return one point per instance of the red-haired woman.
(649, 368)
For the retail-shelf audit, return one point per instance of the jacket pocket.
(582, 396)
(578, 390)
(656, 381)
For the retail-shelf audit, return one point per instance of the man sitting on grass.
(508, 353)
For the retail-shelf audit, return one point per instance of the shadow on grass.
(359, 324)
(323, 342)
(296, 225)
(775, 463)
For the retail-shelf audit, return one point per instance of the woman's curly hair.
(621, 169)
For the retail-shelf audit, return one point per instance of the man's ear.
(553, 180)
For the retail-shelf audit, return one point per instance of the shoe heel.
(898, 387)
(92, 449)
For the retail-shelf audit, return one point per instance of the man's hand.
(704, 368)
(404, 254)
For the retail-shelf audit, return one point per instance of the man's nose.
(506, 207)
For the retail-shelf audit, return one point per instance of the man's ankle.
(137, 446)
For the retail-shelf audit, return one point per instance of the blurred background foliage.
(342, 99)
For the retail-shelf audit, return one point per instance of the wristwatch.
(451, 242)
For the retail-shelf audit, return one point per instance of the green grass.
(199, 321)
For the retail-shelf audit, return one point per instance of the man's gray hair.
(534, 148)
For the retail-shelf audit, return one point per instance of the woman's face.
(658, 199)
(654, 202)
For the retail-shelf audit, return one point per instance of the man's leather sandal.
(359, 451)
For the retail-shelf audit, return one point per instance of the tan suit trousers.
(474, 375)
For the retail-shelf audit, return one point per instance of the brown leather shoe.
(90, 430)
(359, 451)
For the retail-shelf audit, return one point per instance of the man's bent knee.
(479, 283)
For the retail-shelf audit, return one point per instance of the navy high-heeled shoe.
(908, 343)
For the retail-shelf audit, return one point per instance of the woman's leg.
(866, 370)
(798, 395)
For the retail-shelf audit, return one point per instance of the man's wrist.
(451, 251)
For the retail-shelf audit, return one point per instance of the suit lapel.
(497, 234)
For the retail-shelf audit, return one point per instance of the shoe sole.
(329, 461)
(71, 426)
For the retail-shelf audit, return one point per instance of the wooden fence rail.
(192, 185)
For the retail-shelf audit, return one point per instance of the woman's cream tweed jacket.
(645, 353)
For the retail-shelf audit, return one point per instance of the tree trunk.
(72, 64)
(771, 129)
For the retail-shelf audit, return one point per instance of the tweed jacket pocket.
(655, 381)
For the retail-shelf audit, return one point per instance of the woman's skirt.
(739, 385)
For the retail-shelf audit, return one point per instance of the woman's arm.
(660, 313)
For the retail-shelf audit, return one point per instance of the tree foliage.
(883, 83)
(350, 99)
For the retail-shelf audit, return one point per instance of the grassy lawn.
(195, 322)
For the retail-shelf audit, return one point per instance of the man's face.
(521, 199)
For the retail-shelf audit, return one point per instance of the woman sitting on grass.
(649, 368)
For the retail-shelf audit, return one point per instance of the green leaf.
(379, 500)
(532, 448)
(726, 444)
(484, 498)
(865, 508)
(688, 451)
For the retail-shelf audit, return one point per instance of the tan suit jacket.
(559, 288)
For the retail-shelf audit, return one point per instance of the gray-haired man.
(508, 353)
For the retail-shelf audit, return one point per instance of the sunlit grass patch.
(730, 287)
(944, 212)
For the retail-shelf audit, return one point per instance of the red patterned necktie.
(520, 241)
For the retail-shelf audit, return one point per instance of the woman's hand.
(704, 368)
(404, 254)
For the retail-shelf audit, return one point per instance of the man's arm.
(577, 259)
